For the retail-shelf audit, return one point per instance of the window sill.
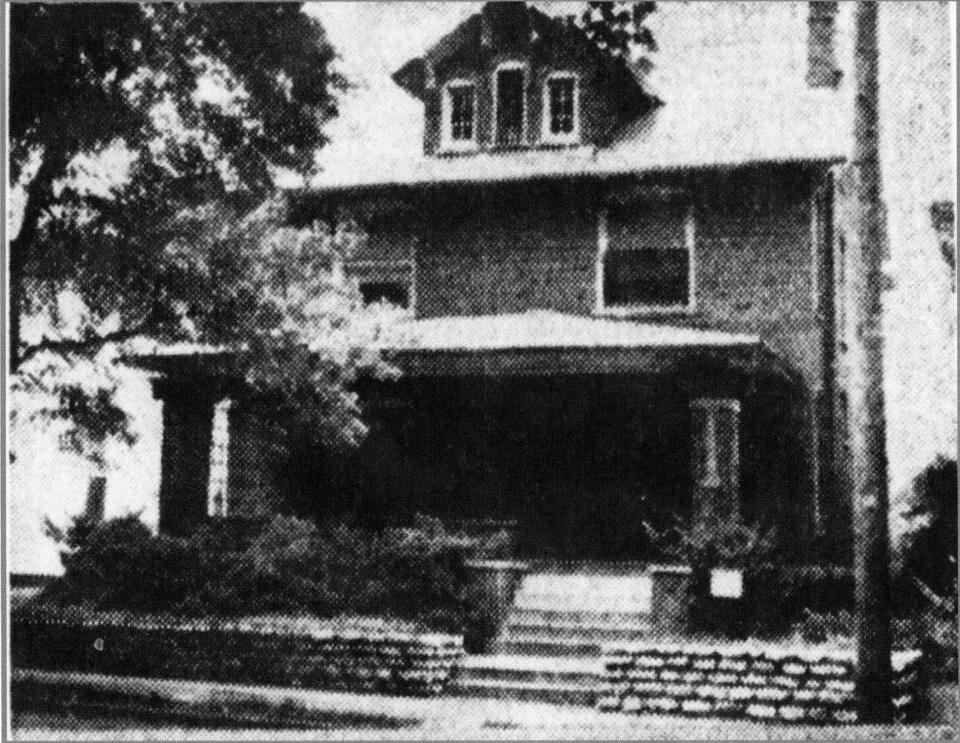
(644, 310)
(449, 150)
(552, 142)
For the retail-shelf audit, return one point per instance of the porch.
(573, 432)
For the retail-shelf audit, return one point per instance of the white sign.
(726, 584)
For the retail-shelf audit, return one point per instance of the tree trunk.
(39, 197)
(868, 430)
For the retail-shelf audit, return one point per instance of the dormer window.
(511, 114)
(460, 115)
(561, 107)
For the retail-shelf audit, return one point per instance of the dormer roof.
(514, 27)
(731, 78)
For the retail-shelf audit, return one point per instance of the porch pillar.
(715, 424)
(185, 453)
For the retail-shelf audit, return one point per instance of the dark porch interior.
(578, 463)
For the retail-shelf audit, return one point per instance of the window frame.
(448, 143)
(525, 114)
(546, 135)
(387, 272)
(630, 310)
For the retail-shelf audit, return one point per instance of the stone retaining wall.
(292, 652)
(781, 683)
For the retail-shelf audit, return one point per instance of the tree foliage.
(195, 111)
(619, 28)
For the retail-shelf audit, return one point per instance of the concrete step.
(550, 647)
(584, 593)
(526, 691)
(573, 631)
(531, 669)
(600, 620)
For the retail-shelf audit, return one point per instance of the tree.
(619, 28)
(197, 109)
(867, 406)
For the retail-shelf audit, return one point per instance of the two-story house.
(624, 303)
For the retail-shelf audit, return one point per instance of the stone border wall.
(287, 653)
(748, 681)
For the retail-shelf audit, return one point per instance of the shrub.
(925, 540)
(283, 566)
(775, 594)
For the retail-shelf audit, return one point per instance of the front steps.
(563, 634)
(549, 648)
(530, 678)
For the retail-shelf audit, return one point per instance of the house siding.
(535, 248)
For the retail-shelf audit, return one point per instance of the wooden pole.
(868, 432)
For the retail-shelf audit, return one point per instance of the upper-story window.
(561, 104)
(645, 258)
(510, 113)
(384, 281)
(460, 115)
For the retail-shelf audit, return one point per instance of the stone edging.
(750, 681)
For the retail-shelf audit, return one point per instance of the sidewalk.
(206, 710)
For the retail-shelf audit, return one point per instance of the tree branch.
(82, 345)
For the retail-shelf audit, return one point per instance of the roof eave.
(356, 189)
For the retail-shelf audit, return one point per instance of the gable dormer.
(511, 77)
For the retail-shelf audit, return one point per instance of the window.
(393, 292)
(645, 258)
(459, 115)
(384, 281)
(510, 110)
(561, 108)
(219, 460)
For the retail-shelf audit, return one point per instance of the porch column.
(715, 424)
(185, 453)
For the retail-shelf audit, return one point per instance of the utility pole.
(868, 432)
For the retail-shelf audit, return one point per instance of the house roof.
(750, 104)
(706, 132)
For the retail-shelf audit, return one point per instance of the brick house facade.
(618, 312)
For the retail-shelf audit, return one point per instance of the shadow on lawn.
(91, 709)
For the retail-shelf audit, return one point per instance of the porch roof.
(537, 342)
(551, 330)
(535, 330)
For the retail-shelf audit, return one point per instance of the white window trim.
(509, 65)
(546, 135)
(603, 247)
(447, 142)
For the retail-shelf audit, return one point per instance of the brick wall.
(289, 651)
(782, 683)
